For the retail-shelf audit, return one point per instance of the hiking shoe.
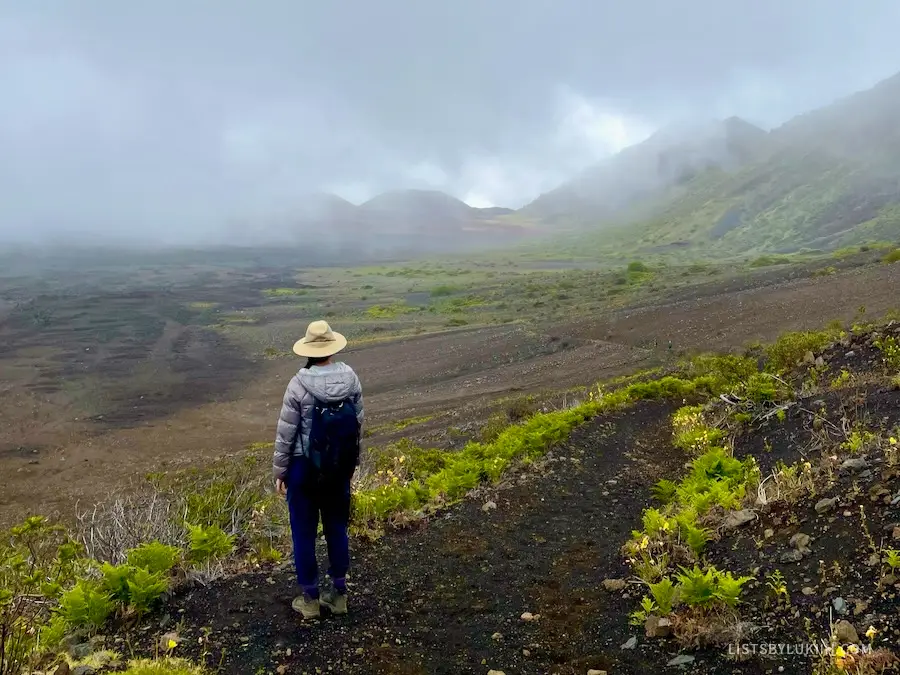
(307, 606)
(335, 601)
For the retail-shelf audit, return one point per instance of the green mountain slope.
(825, 179)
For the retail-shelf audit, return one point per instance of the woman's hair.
(315, 360)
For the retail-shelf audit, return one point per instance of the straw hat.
(319, 341)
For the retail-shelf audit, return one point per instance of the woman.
(309, 490)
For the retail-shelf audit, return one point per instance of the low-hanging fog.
(181, 121)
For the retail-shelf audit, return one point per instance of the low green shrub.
(892, 257)
(789, 349)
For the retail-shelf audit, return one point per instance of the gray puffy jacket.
(331, 382)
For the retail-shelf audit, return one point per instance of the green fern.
(85, 605)
(697, 587)
(728, 588)
(154, 557)
(664, 491)
(665, 594)
(145, 588)
(208, 543)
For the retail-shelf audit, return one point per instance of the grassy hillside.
(826, 179)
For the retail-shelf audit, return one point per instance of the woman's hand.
(280, 487)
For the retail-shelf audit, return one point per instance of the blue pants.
(307, 497)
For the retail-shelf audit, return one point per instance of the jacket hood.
(333, 382)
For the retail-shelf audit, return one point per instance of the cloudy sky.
(173, 116)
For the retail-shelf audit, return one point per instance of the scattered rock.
(497, 636)
(83, 670)
(800, 541)
(809, 357)
(594, 671)
(791, 556)
(737, 518)
(850, 354)
(824, 505)
(656, 627)
(845, 633)
(631, 644)
(281, 670)
(496, 672)
(895, 533)
(613, 585)
(62, 669)
(527, 616)
(681, 660)
(489, 506)
(840, 605)
(860, 606)
(769, 533)
(855, 464)
(889, 579)
(808, 590)
(820, 362)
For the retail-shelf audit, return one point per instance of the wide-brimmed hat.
(319, 341)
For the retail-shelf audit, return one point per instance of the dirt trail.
(432, 599)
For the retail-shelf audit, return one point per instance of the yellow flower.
(839, 652)
(872, 632)
(402, 458)
(893, 441)
(645, 542)
(171, 644)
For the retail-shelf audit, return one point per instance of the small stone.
(681, 660)
(845, 633)
(850, 354)
(489, 506)
(527, 616)
(497, 636)
(496, 672)
(809, 357)
(81, 651)
(594, 671)
(525, 652)
(791, 556)
(281, 670)
(824, 505)
(657, 627)
(808, 590)
(631, 644)
(855, 464)
(860, 606)
(895, 533)
(360, 651)
(737, 518)
(62, 669)
(820, 362)
(840, 605)
(800, 541)
(83, 670)
(889, 579)
(614, 585)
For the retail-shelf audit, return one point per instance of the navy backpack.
(334, 438)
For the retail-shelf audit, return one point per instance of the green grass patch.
(284, 292)
(391, 311)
